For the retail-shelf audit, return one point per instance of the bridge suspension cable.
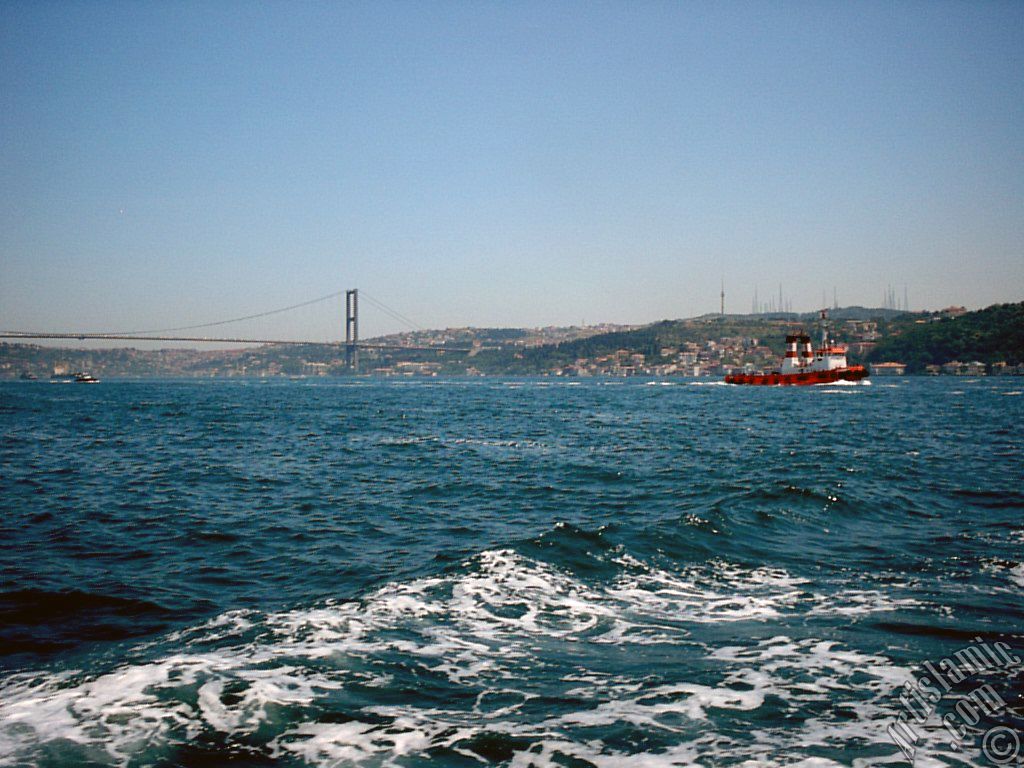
(158, 334)
(334, 295)
(393, 313)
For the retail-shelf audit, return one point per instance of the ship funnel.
(806, 352)
(791, 342)
(791, 362)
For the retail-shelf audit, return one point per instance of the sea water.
(522, 572)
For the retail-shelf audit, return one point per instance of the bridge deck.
(211, 340)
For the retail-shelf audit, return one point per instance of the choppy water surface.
(515, 572)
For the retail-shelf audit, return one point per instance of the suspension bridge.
(351, 344)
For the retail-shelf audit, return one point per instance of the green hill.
(648, 340)
(991, 335)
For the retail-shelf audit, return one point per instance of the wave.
(37, 622)
(1017, 574)
(507, 657)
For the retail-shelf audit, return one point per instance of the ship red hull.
(852, 373)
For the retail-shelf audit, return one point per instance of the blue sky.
(521, 163)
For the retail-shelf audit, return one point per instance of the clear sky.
(513, 163)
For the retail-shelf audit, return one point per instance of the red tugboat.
(802, 366)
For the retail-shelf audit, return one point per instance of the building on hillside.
(956, 368)
(888, 369)
(410, 368)
(861, 348)
(1002, 368)
(953, 368)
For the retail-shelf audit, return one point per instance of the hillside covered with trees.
(991, 335)
(769, 331)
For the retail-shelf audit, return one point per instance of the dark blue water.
(476, 572)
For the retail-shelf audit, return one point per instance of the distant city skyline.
(527, 164)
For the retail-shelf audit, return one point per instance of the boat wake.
(468, 665)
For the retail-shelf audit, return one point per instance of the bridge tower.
(352, 329)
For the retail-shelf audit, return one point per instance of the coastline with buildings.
(891, 342)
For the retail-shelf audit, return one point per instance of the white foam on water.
(483, 630)
(408, 440)
(552, 752)
(800, 673)
(654, 706)
(1009, 576)
(857, 602)
(722, 592)
(358, 743)
(1017, 574)
(472, 441)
